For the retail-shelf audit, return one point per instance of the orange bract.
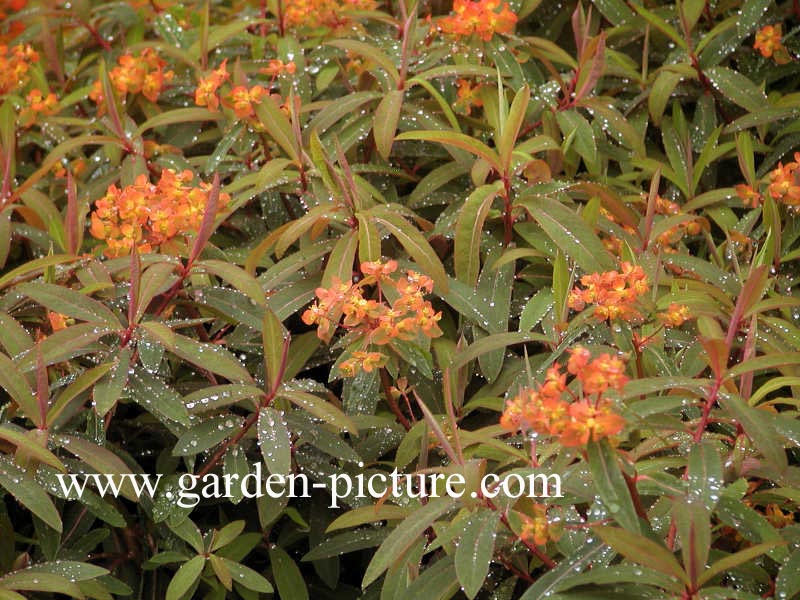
(483, 18)
(14, 65)
(314, 14)
(749, 197)
(143, 74)
(206, 92)
(38, 104)
(374, 321)
(147, 215)
(784, 185)
(768, 40)
(675, 315)
(578, 419)
(613, 293)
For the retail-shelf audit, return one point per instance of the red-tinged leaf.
(29, 445)
(643, 551)
(512, 126)
(209, 219)
(101, 459)
(156, 279)
(74, 232)
(70, 303)
(35, 266)
(369, 240)
(716, 353)
(752, 291)
(73, 391)
(276, 342)
(134, 290)
(588, 79)
(13, 382)
(341, 259)
(385, 121)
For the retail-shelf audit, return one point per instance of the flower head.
(768, 40)
(147, 215)
(614, 294)
(483, 18)
(552, 409)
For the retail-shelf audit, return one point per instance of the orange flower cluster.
(277, 67)
(536, 528)
(315, 14)
(579, 419)
(467, 96)
(769, 43)
(483, 18)
(147, 215)
(206, 92)
(8, 8)
(784, 183)
(750, 198)
(675, 315)
(375, 321)
(613, 293)
(243, 100)
(14, 65)
(143, 74)
(38, 104)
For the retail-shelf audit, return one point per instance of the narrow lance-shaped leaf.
(274, 440)
(276, 345)
(474, 553)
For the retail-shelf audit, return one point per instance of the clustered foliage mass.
(493, 238)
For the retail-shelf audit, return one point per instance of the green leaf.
(643, 551)
(368, 514)
(535, 310)
(457, 140)
(547, 584)
(341, 259)
(206, 434)
(41, 582)
(512, 126)
(724, 565)
(585, 143)
(322, 409)
(179, 115)
(109, 389)
(737, 88)
(185, 578)
(610, 484)
(474, 553)
(27, 443)
(759, 429)
(371, 53)
(616, 11)
(274, 440)
(69, 302)
(288, 579)
(218, 396)
(344, 543)
(469, 232)
(750, 16)
(787, 585)
(385, 121)
(28, 492)
(369, 240)
(493, 342)
(13, 382)
(277, 125)
(570, 234)
(275, 339)
(660, 93)
(402, 537)
(247, 577)
(236, 276)
(436, 582)
(211, 357)
(414, 243)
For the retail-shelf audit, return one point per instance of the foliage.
(505, 241)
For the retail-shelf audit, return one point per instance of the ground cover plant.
(498, 240)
